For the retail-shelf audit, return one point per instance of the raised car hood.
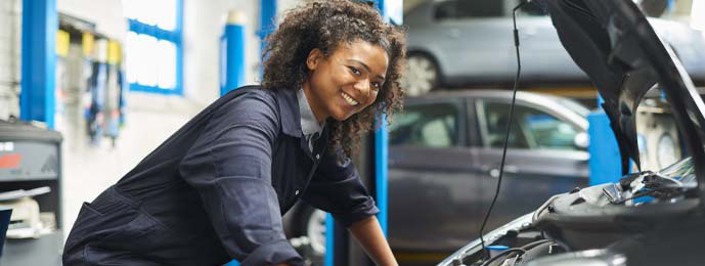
(615, 45)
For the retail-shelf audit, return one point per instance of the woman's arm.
(369, 234)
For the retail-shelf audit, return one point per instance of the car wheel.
(421, 75)
(316, 231)
(311, 231)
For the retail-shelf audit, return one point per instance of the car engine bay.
(639, 218)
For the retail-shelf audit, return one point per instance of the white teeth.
(349, 99)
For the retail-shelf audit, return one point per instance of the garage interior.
(88, 88)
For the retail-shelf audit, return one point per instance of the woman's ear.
(313, 58)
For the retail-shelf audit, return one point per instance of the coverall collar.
(309, 125)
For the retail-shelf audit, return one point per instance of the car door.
(428, 176)
(542, 158)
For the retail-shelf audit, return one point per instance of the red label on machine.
(10, 161)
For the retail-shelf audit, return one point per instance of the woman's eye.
(376, 85)
(355, 71)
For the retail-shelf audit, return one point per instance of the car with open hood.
(647, 217)
(444, 153)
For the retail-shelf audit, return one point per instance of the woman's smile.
(349, 99)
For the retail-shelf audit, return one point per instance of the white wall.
(10, 26)
(151, 118)
(204, 22)
(106, 14)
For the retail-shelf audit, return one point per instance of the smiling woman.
(342, 36)
(216, 189)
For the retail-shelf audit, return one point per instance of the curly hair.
(326, 25)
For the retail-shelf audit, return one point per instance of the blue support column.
(381, 171)
(39, 26)
(330, 241)
(268, 12)
(232, 60)
(392, 11)
(236, 74)
(605, 161)
(232, 53)
(180, 48)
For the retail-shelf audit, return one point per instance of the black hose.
(509, 122)
(503, 254)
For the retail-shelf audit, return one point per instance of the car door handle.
(494, 172)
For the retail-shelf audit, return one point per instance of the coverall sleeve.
(336, 188)
(230, 167)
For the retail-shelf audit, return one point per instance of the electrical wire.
(503, 254)
(506, 135)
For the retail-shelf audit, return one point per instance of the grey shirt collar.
(309, 125)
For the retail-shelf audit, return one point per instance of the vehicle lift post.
(605, 160)
(39, 27)
(232, 52)
(232, 59)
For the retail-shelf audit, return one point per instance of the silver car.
(455, 43)
(463, 43)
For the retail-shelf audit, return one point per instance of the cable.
(504, 253)
(506, 135)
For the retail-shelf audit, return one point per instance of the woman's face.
(347, 81)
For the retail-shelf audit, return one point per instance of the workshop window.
(154, 45)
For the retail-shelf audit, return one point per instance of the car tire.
(311, 230)
(422, 75)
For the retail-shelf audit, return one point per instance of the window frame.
(174, 36)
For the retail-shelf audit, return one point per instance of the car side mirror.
(581, 141)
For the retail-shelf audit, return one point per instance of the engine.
(647, 218)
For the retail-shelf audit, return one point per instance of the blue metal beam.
(159, 33)
(267, 25)
(605, 161)
(39, 26)
(180, 47)
(381, 171)
(232, 60)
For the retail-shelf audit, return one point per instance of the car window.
(426, 125)
(454, 9)
(457, 9)
(574, 106)
(534, 9)
(531, 128)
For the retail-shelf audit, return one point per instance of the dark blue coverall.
(217, 188)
